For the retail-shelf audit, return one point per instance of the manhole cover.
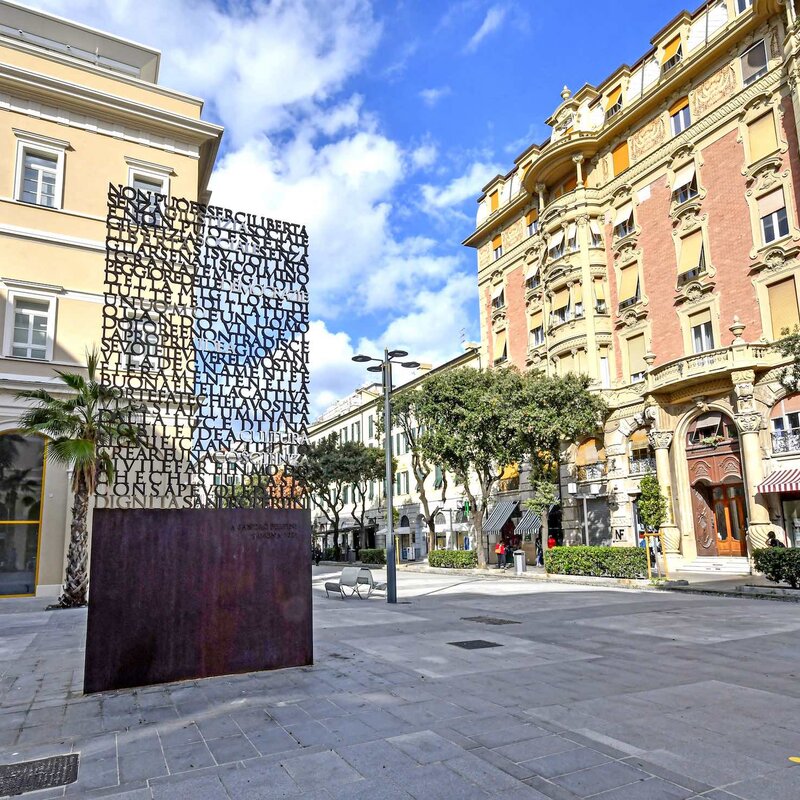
(491, 620)
(475, 644)
(31, 776)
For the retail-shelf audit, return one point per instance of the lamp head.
(361, 359)
(410, 364)
(375, 368)
(397, 354)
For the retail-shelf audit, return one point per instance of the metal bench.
(347, 580)
(366, 578)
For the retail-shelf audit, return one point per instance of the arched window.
(711, 428)
(404, 522)
(21, 480)
(784, 423)
(440, 519)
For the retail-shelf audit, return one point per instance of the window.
(621, 158)
(343, 435)
(142, 343)
(614, 102)
(494, 201)
(572, 238)
(605, 369)
(555, 248)
(536, 329)
(680, 116)
(146, 210)
(628, 286)
(577, 299)
(371, 495)
(532, 221)
(783, 308)
(673, 53)
(40, 171)
(371, 426)
(497, 247)
(500, 347)
(400, 447)
(684, 187)
(637, 366)
(772, 211)
(597, 235)
(560, 307)
(498, 297)
(711, 425)
(346, 494)
(623, 222)
(691, 261)
(404, 476)
(762, 137)
(754, 63)
(600, 306)
(356, 431)
(702, 332)
(743, 5)
(566, 364)
(29, 328)
(532, 278)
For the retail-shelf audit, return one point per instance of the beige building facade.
(651, 244)
(79, 110)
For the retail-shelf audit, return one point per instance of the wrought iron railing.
(592, 472)
(786, 441)
(642, 466)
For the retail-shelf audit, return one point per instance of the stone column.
(660, 442)
(540, 190)
(758, 522)
(578, 161)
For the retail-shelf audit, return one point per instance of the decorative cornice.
(52, 238)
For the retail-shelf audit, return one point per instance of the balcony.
(592, 472)
(786, 441)
(642, 466)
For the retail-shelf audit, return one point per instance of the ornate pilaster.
(749, 424)
(660, 441)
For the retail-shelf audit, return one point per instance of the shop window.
(754, 63)
(783, 307)
(680, 116)
(629, 290)
(701, 331)
(774, 221)
(21, 483)
(30, 324)
(691, 259)
(620, 158)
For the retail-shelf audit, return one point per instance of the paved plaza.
(604, 693)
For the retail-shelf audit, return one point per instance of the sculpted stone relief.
(713, 91)
(648, 138)
(513, 234)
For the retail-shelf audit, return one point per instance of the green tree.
(470, 429)
(364, 464)
(652, 504)
(789, 345)
(80, 425)
(404, 411)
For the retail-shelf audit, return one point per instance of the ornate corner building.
(651, 243)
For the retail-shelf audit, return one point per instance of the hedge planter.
(600, 562)
(371, 556)
(453, 559)
(779, 564)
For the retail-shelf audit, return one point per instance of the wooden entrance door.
(704, 532)
(728, 500)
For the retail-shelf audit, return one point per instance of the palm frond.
(73, 451)
(75, 381)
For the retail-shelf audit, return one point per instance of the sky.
(376, 124)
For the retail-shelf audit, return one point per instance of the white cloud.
(491, 22)
(425, 155)
(432, 96)
(461, 188)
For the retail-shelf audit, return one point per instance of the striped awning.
(530, 523)
(784, 480)
(499, 515)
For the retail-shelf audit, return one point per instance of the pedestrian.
(772, 541)
(317, 555)
(539, 552)
(509, 556)
(500, 552)
(551, 541)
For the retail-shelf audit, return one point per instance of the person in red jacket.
(551, 542)
(500, 552)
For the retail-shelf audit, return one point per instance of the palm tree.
(79, 426)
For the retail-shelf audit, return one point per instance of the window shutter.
(572, 231)
(497, 291)
(683, 176)
(536, 320)
(639, 440)
(636, 351)
(595, 228)
(599, 290)
(531, 216)
(762, 136)
(499, 345)
(556, 239)
(753, 61)
(628, 282)
(672, 47)
(700, 318)
(678, 105)
(623, 214)
(783, 306)
(770, 203)
(613, 97)
(691, 248)
(577, 293)
(587, 453)
(621, 158)
(497, 241)
(561, 299)
(494, 201)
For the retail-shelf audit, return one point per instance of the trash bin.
(519, 562)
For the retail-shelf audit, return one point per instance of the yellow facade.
(70, 125)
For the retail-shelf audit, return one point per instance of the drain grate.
(491, 620)
(475, 644)
(32, 776)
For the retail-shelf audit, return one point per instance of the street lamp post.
(384, 366)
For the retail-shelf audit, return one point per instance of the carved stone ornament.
(744, 389)
(750, 422)
(533, 253)
(647, 138)
(660, 440)
(695, 291)
(628, 252)
(712, 91)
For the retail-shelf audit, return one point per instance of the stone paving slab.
(596, 693)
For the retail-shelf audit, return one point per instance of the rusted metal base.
(179, 594)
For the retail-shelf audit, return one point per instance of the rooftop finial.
(566, 93)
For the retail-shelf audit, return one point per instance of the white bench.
(347, 580)
(365, 578)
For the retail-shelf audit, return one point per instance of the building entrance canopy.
(500, 515)
(784, 480)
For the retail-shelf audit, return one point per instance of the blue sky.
(377, 124)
